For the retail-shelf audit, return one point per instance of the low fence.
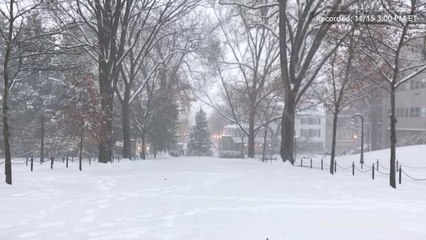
(374, 169)
(52, 160)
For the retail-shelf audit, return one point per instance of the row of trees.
(101, 71)
(115, 67)
(335, 63)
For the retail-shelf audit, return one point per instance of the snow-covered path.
(207, 198)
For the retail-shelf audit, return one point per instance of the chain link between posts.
(366, 170)
(413, 178)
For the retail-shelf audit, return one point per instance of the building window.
(417, 112)
(310, 121)
(423, 112)
(308, 133)
(415, 84)
(347, 134)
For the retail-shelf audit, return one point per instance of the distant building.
(310, 131)
(232, 139)
(410, 104)
(410, 111)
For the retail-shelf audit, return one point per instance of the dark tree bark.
(80, 157)
(333, 140)
(287, 129)
(6, 86)
(6, 134)
(392, 177)
(125, 118)
(251, 135)
(107, 95)
(143, 153)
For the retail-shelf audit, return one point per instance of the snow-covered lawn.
(213, 199)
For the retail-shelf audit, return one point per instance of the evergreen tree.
(199, 138)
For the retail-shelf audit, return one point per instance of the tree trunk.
(242, 146)
(143, 155)
(125, 118)
(251, 136)
(287, 129)
(80, 158)
(264, 142)
(7, 155)
(107, 93)
(392, 179)
(333, 140)
(6, 134)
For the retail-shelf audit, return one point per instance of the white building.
(310, 131)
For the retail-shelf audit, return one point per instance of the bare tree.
(302, 54)
(101, 28)
(247, 68)
(154, 22)
(390, 47)
(13, 13)
(143, 112)
(343, 84)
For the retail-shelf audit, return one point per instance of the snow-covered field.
(213, 199)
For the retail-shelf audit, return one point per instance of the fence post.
(311, 162)
(335, 165)
(377, 165)
(353, 168)
(400, 175)
(51, 162)
(67, 162)
(372, 173)
(26, 161)
(90, 160)
(321, 164)
(32, 163)
(301, 161)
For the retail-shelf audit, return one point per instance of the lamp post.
(42, 134)
(359, 115)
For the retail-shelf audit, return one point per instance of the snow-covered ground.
(214, 199)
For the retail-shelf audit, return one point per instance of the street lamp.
(359, 115)
(42, 134)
